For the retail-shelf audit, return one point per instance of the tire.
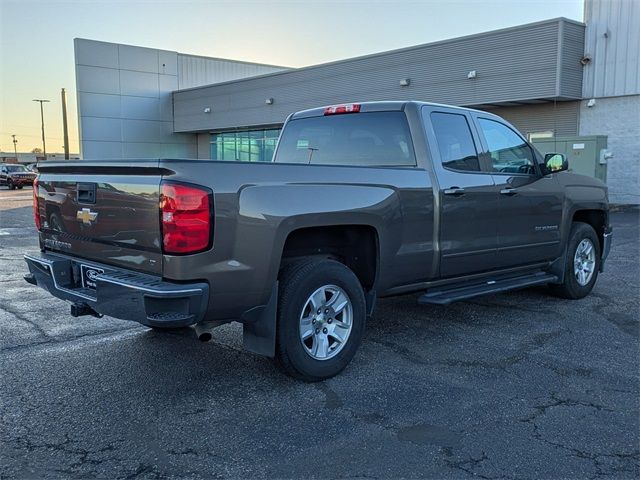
(11, 185)
(20, 187)
(579, 283)
(319, 356)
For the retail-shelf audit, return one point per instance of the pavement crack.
(144, 470)
(595, 458)
(23, 318)
(469, 466)
(67, 447)
(531, 345)
(541, 410)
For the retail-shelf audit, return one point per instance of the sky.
(36, 40)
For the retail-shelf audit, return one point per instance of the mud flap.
(370, 299)
(259, 327)
(558, 266)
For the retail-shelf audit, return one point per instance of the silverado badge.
(87, 216)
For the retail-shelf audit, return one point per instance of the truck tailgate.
(105, 211)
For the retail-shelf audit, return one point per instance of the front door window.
(508, 151)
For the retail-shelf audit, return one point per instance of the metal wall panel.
(612, 40)
(194, 71)
(519, 63)
(96, 54)
(561, 118)
(125, 106)
(572, 51)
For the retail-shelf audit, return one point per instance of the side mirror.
(555, 162)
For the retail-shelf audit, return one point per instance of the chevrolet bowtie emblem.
(86, 215)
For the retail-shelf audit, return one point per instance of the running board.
(453, 293)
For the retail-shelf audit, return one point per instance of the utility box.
(587, 155)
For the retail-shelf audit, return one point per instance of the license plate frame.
(87, 278)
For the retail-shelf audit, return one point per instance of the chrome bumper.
(120, 293)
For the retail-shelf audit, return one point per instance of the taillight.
(186, 218)
(36, 210)
(337, 109)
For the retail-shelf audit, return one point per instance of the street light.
(15, 146)
(44, 146)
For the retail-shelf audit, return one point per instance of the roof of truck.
(379, 106)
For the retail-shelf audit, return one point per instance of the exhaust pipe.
(204, 330)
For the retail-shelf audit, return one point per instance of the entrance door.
(468, 197)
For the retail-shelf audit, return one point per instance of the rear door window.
(455, 142)
(361, 139)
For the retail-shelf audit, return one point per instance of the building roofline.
(394, 51)
(185, 54)
(235, 61)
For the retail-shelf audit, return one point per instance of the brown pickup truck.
(361, 201)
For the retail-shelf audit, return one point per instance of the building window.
(244, 146)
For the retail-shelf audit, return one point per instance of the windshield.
(15, 168)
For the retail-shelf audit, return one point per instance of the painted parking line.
(72, 344)
(17, 197)
(15, 230)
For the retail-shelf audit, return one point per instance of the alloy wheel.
(325, 322)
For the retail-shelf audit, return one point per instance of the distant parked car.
(16, 176)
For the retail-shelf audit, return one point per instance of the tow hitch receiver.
(80, 309)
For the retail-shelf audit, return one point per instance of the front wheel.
(11, 185)
(321, 319)
(582, 263)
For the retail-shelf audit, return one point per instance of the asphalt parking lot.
(518, 385)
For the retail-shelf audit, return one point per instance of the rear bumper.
(607, 239)
(120, 293)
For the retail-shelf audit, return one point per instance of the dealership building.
(556, 79)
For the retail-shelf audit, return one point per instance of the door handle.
(454, 191)
(508, 191)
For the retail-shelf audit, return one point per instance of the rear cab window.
(374, 139)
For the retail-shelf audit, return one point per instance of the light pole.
(44, 146)
(65, 130)
(15, 147)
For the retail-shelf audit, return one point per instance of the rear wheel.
(321, 319)
(11, 185)
(582, 265)
(20, 187)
